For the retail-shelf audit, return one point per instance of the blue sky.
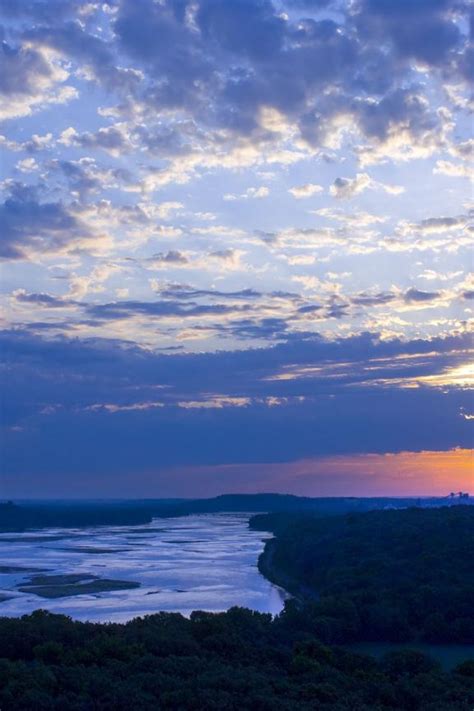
(234, 235)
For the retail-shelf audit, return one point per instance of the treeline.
(324, 506)
(239, 660)
(380, 576)
(74, 514)
(14, 517)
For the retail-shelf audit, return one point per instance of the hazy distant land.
(20, 516)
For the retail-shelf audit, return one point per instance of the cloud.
(42, 300)
(185, 292)
(172, 257)
(453, 170)
(307, 397)
(112, 139)
(400, 127)
(462, 149)
(159, 309)
(96, 56)
(254, 61)
(30, 227)
(33, 145)
(431, 275)
(353, 218)
(305, 191)
(217, 261)
(347, 188)
(425, 30)
(269, 67)
(30, 80)
(416, 295)
(83, 176)
(27, 165)
(229, 257)
(344, 188)
(373, 299)
(435, 225)
(250, 193)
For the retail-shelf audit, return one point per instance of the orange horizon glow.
(424, 473)
(433, 473)
(407, 473)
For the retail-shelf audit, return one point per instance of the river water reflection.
(206, 562)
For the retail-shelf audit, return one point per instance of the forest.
(396, 575)
(235, 660)
(358, 576)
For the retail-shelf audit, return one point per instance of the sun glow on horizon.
(390, 474)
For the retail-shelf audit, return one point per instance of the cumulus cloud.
(30, 227)
(453, 170)
(415, 295)
(27, 165)
(174, 56)
(424, 31)
(31, 79)
(173, 257)
(352, 218)
(112, 139)
(305, 191)
(250, 193)
(344, 188)
(42, 300)
(435, 225)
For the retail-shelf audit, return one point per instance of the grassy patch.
(54, 586)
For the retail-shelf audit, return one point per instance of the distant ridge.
(76, 514)
(286, 502)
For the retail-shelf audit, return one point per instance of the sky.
(235, 244)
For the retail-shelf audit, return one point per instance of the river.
(199, 562)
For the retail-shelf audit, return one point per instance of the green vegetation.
(379, 576)
(53, 586)
(238, 660)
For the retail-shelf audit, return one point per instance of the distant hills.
(269, 502)
(75, 514)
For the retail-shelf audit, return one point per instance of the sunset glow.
(425, 473)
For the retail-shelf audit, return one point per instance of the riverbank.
(402, 576)
(296, 589)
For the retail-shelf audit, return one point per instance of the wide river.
(206, 562)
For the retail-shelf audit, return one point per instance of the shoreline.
(298, 592)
